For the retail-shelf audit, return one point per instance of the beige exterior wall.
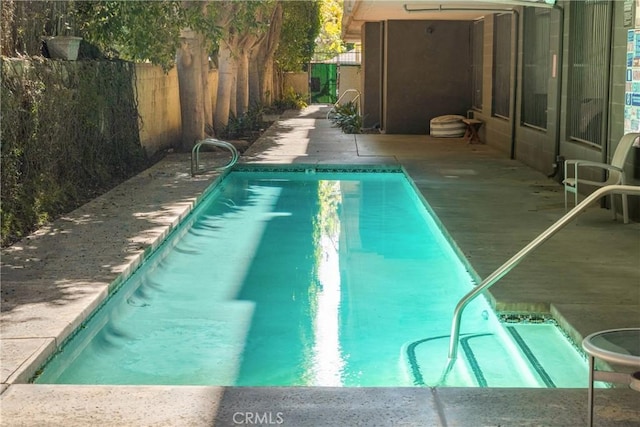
(159, 106)
(349, 78)
(298, 81)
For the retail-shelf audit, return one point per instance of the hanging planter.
(64, 47)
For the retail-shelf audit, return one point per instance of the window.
(535, 67)
(502, 66)
(477, 38)
(589, 44)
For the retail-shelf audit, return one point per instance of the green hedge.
(69, 132)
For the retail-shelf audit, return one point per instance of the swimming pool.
(308, 277)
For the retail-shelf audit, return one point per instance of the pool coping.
(71, 406)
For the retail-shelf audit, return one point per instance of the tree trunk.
(206, 91)
(242, 95)
(255, 90)
(189, 66)
(277, 83)
(225, 83)
(233, 97)
(262, 60)
(268, 93)
(257, 63)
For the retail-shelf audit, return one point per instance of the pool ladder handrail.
(514, 260)
(337, 103)
(195, 154)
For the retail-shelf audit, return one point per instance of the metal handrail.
(195, 154)
(513, 261)
(355, 98)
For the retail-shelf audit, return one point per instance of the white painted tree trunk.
(225, 83)
(268, 93)
(206, 91)
(189, 66)
(233, 99)
(242, 96)
(255, 77)
(261, 67)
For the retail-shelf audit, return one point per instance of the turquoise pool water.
(316, 279)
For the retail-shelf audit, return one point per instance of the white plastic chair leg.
(625, 209)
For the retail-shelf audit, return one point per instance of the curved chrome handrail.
(195, 154)
(514, 260)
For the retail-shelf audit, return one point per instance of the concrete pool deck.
(587, 276)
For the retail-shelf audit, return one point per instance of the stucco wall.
(158, 107)
(299, 82)
(349, 78)
(427, 73)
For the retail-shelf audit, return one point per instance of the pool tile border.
(311, 168)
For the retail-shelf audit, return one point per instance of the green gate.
(323, 83)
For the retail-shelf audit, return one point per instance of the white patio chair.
(614, 173)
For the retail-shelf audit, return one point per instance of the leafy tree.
(329, 41)
(24, 23)
(259, 20)
(154, 31)
(245, 35)
(137, 31)
(300, 27)
(200, 33)
(244, 23)
(261, 62)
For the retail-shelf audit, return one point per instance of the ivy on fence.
(69, 132)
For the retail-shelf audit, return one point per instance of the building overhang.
(357, 12)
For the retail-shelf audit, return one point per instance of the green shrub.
(69, 132)
(245, 126)
(291, 100)
(347, 117)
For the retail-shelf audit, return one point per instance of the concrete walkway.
(587, 276)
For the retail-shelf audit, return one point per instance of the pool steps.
(525, 364)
